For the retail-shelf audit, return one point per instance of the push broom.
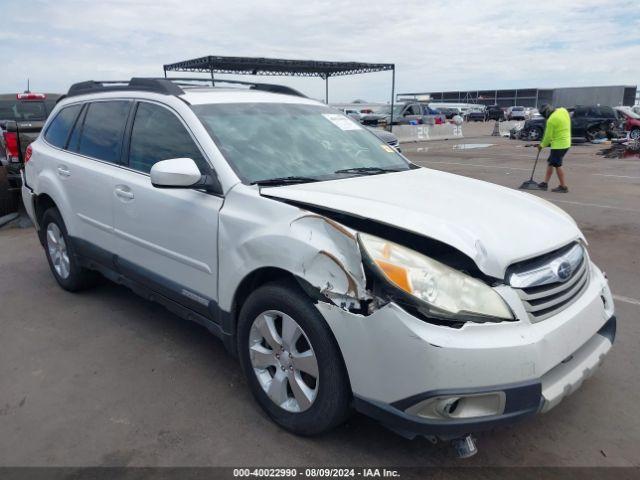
(531, 184)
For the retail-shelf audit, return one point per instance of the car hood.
(495, 226)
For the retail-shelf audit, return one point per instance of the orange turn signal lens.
(396, 274)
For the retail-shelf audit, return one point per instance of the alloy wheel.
(58, 251)
(534, 134)
(283, 361)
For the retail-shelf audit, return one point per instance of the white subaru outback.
(341, 275)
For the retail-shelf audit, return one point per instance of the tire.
(72, 277)
(331, 404)
(634, 134)
(534, 134)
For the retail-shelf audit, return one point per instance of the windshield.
(275, 140)
(18, 110)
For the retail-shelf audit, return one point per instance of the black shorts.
(556, 156)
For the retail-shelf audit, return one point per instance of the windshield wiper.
(284, 180)
(368, 170)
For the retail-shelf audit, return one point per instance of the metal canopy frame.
(281, 67)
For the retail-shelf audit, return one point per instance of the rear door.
(86, 168)
(166, 238)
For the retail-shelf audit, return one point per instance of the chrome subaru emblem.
(564, 271)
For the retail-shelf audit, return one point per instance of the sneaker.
(560, 189)
(543, 186)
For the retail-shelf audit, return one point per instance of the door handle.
(63, 171)
(124, 193)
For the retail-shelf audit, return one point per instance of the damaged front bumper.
(423, 379)
(518, 400)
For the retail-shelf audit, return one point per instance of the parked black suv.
(495, 112)
(589, 122)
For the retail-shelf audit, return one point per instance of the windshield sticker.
(386, 148)
(342, 122)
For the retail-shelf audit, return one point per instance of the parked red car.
(632, 123)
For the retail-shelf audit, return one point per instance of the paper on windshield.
(342, 122)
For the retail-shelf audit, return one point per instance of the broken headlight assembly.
(434, 289)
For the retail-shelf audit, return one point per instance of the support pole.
(326, 89)
(393, 94)
(213, 80)
(165, 71)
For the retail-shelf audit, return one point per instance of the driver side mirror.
(182, 173)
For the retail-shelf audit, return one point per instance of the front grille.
(544, 301)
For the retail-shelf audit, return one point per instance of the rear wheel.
(61, 256)
(291, 360)
(634, 134)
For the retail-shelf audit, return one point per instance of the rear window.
(22, 110)
(517, 109)
(58, 130)
(103, 129)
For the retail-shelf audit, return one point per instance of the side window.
(408, 111)
(607, 112)
(157, 134)
(59, 129)
(103, 130)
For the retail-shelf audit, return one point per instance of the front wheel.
(594, 133)
(635, 134)
(291, 360)
(534, 134)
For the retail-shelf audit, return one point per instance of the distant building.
(614, 95)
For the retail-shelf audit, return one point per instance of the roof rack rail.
(168, 86)
(158, 85)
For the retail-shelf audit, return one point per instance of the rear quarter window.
(58, 131)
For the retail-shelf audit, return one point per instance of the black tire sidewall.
(331, 405)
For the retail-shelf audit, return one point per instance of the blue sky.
(436, 45)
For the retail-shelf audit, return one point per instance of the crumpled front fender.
(255, 233)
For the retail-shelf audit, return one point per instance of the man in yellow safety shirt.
(557, 135)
